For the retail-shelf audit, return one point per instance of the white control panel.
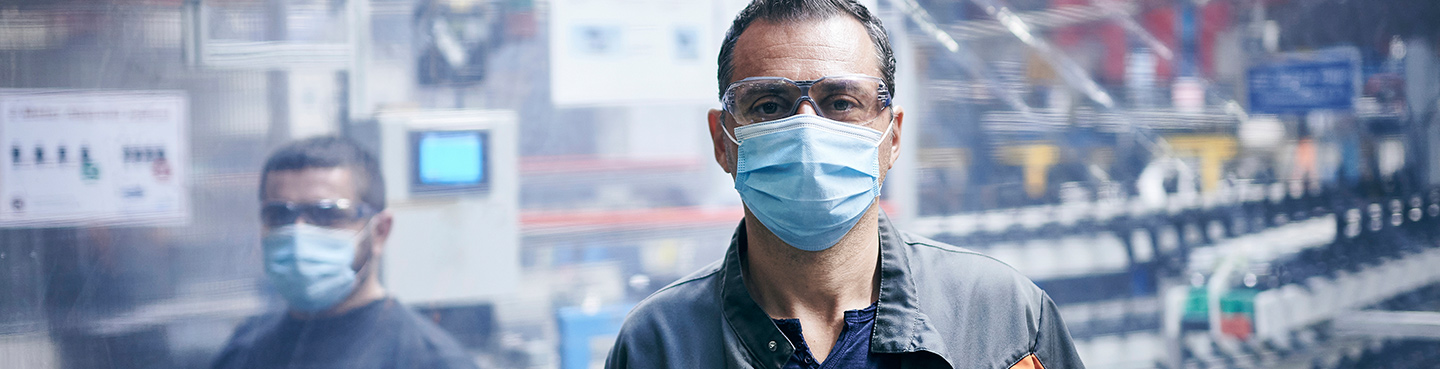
(89, 158)
(452, 183)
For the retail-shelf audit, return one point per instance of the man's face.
(805, 50)
(314, 185)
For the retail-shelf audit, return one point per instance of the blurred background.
(1197, 183)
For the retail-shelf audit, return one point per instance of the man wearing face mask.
(324, 230)
(816, 274)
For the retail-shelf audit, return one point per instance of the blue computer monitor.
(449, 161)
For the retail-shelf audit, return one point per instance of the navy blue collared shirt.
(851, 350)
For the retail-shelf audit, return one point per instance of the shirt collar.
(753, 330)
(900, 326)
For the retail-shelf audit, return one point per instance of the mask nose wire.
(888, 128)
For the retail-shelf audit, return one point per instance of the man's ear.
(384, 223)
(895, 137)
(720, 140)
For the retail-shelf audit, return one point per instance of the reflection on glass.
(1261, 189)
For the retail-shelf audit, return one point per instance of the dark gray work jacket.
(940, 306)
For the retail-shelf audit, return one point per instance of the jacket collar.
(900, 326)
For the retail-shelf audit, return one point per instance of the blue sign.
(1302, 84)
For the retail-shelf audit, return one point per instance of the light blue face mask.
(807, 178)
(310, 265)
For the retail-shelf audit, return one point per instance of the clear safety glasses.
(856, 99)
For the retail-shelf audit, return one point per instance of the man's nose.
(807, 106)
(299, 219)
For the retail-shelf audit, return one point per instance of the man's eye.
(841, 105)
(768, 108)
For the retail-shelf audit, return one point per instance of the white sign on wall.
(625, 52)
(88, 158)
(610, 52)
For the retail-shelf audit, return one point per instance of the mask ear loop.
(727, 131)
(888, 128)
(369, 255)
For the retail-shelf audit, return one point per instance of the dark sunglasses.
(324, 213)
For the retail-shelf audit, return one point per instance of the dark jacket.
(940, 306)
(381, 335)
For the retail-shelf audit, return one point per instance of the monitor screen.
(448, 160)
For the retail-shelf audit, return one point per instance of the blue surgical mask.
(808, 179)
(310, 265)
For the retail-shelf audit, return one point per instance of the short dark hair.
(331, 152)
(778, 11)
